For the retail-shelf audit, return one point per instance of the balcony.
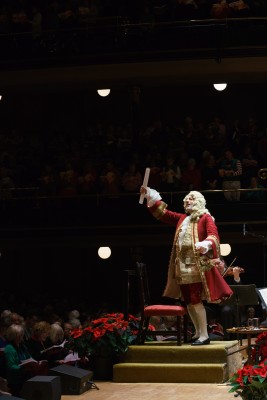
(159, 54)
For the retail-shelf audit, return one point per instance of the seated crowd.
(33, 344)
(36, 16)
(111, 160)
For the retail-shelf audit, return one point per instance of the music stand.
(243, 295)
(262, 292)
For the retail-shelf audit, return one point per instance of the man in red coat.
(191, 273)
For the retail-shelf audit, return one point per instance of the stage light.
(220, 86)
(103, 92)
(104, 252)
(225, 249)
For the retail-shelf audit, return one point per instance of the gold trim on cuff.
(159, 211)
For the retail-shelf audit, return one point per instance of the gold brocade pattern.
(159, 210)
(201, 268)
(186, 269)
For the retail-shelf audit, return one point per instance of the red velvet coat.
(215, 289)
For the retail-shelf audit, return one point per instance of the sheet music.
(145, 182)
(263, 294)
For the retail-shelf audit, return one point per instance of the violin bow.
(229, 266)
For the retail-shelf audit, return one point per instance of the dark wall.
(50, 112)
(76, 272)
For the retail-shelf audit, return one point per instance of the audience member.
(239, 9)
(87, 180)
(170, 175)
(220, 9)
(36, 22)
(31, 316)
(67, 327)
(237, 137)
(55, 343)
(36, 343)
(131, 178)
(250, 164)
(19, 19)
(257, 191)
(110, 179)
(190, 137)
(49, 181)
(74, 319)
(216, 136)
(68, 180)
(56, 335)
(50, 315)
(191, 178)
(230, 170)
(18, 371)
(3, 343)
(210, 173)
(155, 173)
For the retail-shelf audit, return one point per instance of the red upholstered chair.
(149, 310)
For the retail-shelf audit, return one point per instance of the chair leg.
(178, 330)
(185, 328)
(143, 328)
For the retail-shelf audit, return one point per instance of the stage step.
(168, 363)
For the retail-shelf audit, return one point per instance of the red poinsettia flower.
(77, 333)
(260, 370)
(110, 333)
(250, 382)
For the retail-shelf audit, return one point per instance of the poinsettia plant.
(250, 382)
(107, 335)
(260, 349)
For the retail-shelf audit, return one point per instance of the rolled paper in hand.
(145, 182)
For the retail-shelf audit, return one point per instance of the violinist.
(231, 273)
(226, 313)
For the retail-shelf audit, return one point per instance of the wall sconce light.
(220, 86)
(225, 249)
(103, 92)
(104, 252)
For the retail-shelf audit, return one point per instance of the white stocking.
(193, 315)
(202, 321)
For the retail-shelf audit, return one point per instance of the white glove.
(204, 246)
(152, 196)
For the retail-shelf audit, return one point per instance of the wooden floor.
(157, 391)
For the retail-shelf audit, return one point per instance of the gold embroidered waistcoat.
(186, 269)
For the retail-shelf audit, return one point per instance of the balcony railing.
(115, 39)
(27, 207)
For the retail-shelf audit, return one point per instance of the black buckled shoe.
(200, 342)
